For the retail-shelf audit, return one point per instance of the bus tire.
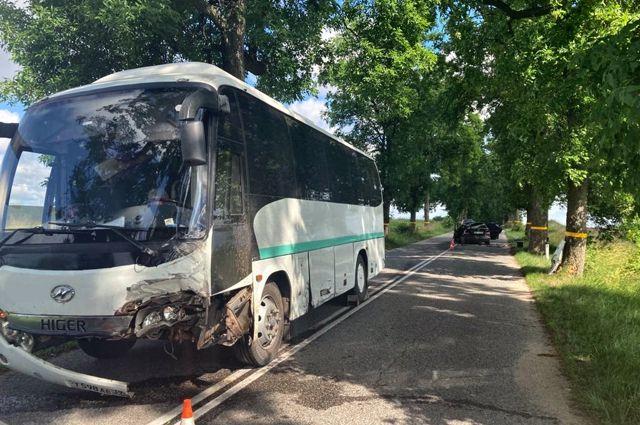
(106, 349)
(270, 330)
(361, 288)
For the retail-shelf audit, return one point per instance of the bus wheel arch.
(363, 253)
(281, 279)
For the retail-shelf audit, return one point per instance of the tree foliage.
(63, 44)
(377, 64)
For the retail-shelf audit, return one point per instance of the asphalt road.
(455, 341)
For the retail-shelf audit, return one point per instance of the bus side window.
(375, 188)
(229, 124)
(340, 161)
(311, 162)
(363, 182)
(269, 157)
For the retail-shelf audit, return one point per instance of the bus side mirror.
(8, 129)
(193, 143)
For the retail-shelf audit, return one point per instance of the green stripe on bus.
(276, 251)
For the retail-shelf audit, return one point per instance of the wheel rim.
(268, 321)
(360, 276)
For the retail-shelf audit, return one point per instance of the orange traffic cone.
(187, 413)
(452, 244)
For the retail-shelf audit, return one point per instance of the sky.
(312, 107)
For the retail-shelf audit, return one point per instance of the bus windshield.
(109, 158)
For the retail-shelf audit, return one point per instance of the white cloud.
(328, 33)
(324, 91)
(6, 116)
(8, 68)
(313, 109)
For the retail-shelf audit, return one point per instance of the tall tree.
(377, 61)
(546, 52)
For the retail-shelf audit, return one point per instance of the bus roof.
(192, 72)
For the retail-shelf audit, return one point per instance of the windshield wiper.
(33, 230)
(115, 229)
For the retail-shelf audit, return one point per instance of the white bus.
(176, 202)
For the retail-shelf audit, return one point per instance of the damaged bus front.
(107, 227)
(175, 202)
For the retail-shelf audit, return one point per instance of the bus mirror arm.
(8, 129)
(203, 98)
(192, 134)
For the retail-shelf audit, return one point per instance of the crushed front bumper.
(19, 360)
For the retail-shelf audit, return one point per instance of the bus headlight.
(170, 313)
(152, 318)
(20, 339)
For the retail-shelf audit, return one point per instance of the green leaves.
(64, 44)
(378, 64)
(61, 45)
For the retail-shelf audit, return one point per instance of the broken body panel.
(190, 262)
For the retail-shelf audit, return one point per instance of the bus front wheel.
(270, 329)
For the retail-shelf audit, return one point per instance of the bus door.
(231, 260)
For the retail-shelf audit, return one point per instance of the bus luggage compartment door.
(321, 272)
(345, 267)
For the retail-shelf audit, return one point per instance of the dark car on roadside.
(494, 230)
(472, 233)
(457, 233)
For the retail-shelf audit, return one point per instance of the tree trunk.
(538, 232)
(386, 207)
(462, 216)
(528, 222)
(412, 219)
(575, 249)
(426, 207)
(514, 217)
(233, 39)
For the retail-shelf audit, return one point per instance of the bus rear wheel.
(270, 330)
(360, 290)
(106, 349)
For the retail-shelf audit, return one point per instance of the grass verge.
(401, 232)
(595, 323)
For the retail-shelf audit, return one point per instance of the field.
(24, 216)
(401, 233)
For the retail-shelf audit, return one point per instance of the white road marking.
(207, 407)
(201, 396)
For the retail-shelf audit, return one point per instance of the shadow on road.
(446, 347)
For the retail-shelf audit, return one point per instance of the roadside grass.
(401, 233)
(595, 324)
